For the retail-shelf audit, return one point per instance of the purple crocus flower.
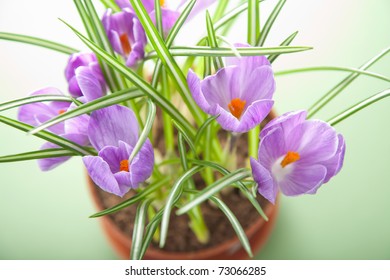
(170, 10)
(126, 35)
(296, 156)
(74, 129)
(77, 60)
(240, 93)
(113, 132)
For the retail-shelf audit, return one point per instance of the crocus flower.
(126, 35)
(240, 93)
(170, 10)
(77, 60)
(74, 129)
(296, 156)
(113, 132)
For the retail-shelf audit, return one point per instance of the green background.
(45, 215)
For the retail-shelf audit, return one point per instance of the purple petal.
(109, 125)
(100, 173)
(272, 147)
(138, 46)
(254, 115)
(286, 121)
(257, 85)
(114, 155)
(334, 164)
(46, 164)
(266, 186)
(142, 165)
(124, 182)
(89, 83)
(169, 18)
(194, 86)
(304, 179)
(314, 140)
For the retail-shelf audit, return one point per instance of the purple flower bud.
(240, 93)
(296, 156)
(77, 60)
(113, 132)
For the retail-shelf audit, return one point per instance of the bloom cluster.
(295, 156)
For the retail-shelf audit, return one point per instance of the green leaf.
(171, 36)
(110, 4)
(286, 42)
(144, 86)
(172, 199)
(96, 104)
(151, 229)
(214, 188)
(223, 51)
(218, 63)
(327, 97)
(332, 68)
(235, 224)
(203, 128)
(168, 61)
(33, 99)
(37, 42)
(145, 132)
(270, 21)
(48, 136)
(138, 231)
(150, 189)
(253, 21)
(187, 137)
(48, 153)
(359, 106)
(220, 10)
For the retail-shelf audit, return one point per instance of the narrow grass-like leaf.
(96, 104)
(214, 188)
(332, 68)
(332, 93)
(203, 128)
(187, 137)
(218, 63)
(286, 42)
(171, 36)
(172, 199)
(270, 21)
(48, 153)
(151, 229)
(235, 224)
(166, 58)
(37, 42)
(144, 86)
(110, 4)
(220, 10)
(359, 106)
(138, 230)
(223, 51)
(151, 114)
(253, 21)
(167, 123)
(33, 99)
(157, 10)
(251, 197)
(150, 189)
(48, 136)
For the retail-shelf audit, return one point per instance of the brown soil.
(180, 237)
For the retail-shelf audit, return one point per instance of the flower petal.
(272, 147)
(194, 86)
(266, 186)
(100, 173)
(257, 85)
(286, 121)
(109, 125)
(254, 115)
(89, 83)
(304, 179)
(142, 165)
(334, 164)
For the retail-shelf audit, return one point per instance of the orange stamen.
(125, 43)
(290, 158)
(162, 2)
(61, 111)
(236, 107)
(124, 165)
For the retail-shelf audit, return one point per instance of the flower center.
(61, 111)
(125, 43)
(290, 158)
(162, 2)
(124, 165)
(236, 107)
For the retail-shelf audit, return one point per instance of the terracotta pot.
(257, 233)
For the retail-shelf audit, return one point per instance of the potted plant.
(210, 117)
